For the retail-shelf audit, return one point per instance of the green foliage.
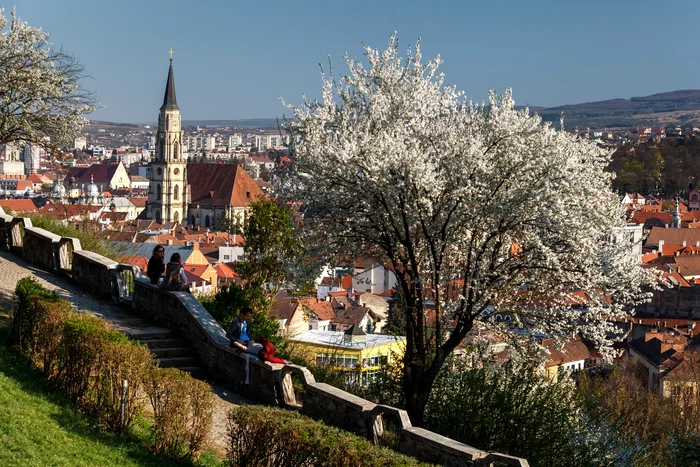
(227, 304)
(27, 318)
(666, 168)
(263, 436)
(686, 448)
(88, 361)
(183, 409)
(272, 248)
(41, 427)
(638, 417)
(510, 409)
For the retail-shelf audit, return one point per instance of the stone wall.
(93, 272)
(265, 382)
(337, 407)
(40, 247)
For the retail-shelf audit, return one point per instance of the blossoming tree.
(41, 99)
(480, 209)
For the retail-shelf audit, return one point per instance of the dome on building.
(58, 189)
(92, 190)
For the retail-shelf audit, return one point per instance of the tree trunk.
(417, 385)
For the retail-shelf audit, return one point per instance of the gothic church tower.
(167, 191)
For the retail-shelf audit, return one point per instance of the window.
(207, 221)
(176, 194)
(227, 257)
(159, 192)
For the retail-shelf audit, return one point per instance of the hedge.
(270, 437)
(88, 361)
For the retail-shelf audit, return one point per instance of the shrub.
(24, 320)
(120, 359)
(183, 409)
(263, 436)
(80, 354)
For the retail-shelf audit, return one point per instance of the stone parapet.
(5, 224)
(40, 247)
(93, 272)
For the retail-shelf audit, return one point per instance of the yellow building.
(360, 355)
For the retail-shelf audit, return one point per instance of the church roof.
(169, 99)
(221, 185)
(98, 173)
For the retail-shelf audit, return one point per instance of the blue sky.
(234, 59)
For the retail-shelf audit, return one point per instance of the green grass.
(40, 427)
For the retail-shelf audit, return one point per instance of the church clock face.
(174, 121)
(176, 171)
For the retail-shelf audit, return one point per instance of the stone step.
(165, 352)
(165, 343)
(149, 333)
(178, 362)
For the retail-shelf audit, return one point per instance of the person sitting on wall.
(267, 354)
(156, 265)
(240, 334)
(175, 278)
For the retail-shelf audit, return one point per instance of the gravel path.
(13, 268)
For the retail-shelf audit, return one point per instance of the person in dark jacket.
(156, 265)
(240, 334)
(175, 278)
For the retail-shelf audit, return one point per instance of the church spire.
(169, 100)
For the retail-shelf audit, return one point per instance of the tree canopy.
(41, 97)
(480, 209)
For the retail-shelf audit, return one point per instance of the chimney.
(169, 242)
(697, 244)
(684, 244)
(665, 322)
(661, 247)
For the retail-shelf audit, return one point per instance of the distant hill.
(667, 108)
(663, 109)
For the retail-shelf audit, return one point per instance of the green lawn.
(40, 427)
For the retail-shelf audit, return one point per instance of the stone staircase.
(170, 351)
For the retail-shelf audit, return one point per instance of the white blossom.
(483, 208)
(41, 98)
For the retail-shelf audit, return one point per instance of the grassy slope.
(40, 427)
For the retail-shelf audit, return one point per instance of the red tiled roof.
(140, 261)
(23, 185)
(224, 271)
(672, 236)
(18, 205)
(221, 185)
(651, 219)
(321, 308)
(573, 350)
(100, 173)
(196, 269)
(139, 202)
